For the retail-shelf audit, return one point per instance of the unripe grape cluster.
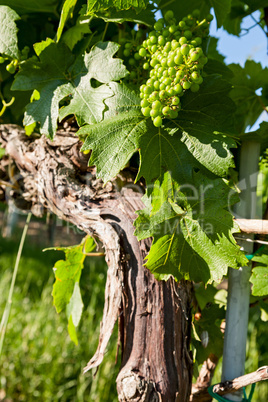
(173, 55)
(12, 66)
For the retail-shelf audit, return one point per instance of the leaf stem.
(105, 30)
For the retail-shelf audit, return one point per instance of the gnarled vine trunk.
(154, 317)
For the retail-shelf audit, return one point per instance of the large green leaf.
(145, 17)
(259, 277)
(246, 81)
(32, 6)
(74, 34)
(8, 32)
(57, 76)
(66, 12)
(221, 8)
(97, 5)
(113, 141)
(192, 231)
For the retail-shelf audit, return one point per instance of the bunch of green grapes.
(131, 56)
(173, 55)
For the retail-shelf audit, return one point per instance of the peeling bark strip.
(154, 317)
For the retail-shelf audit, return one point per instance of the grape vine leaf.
(66, 12)
(66, 291)
(74, 34)
(32, 6)
(113, 142)
(115, 139)
(246, 81)
(221, 8)
(8, 32)
(97, 5)
(145, 17)
(259, 277)
(56, 76)
(192, 230)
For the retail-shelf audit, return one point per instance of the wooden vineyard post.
(238, 283)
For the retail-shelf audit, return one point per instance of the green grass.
(39, 361)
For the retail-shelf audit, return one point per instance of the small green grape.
(166, 111)
(126, 52)
(194, 56)
(195, 76)
(188, 34)
(154, 113)
(169, 15)
(137, 56)
(178, 89)
(209, 17)
(178, 59)
(186, 85)
(157, 121)
(156, 104)
(175, 100)
(11, 68)
(158, 26)
(172, 29)
(2, 60)
(162, 95)
(146, 111)
(142, 52)
(144, 103)
(183, 40)
(165, 32)
(196, 13)
(146, 66)
(161, 40)
(132, 61)
(185, 49)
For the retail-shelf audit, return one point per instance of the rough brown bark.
(154, 317)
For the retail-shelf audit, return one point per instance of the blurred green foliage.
(39, 362)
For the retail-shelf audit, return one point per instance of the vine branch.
(231, 386)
